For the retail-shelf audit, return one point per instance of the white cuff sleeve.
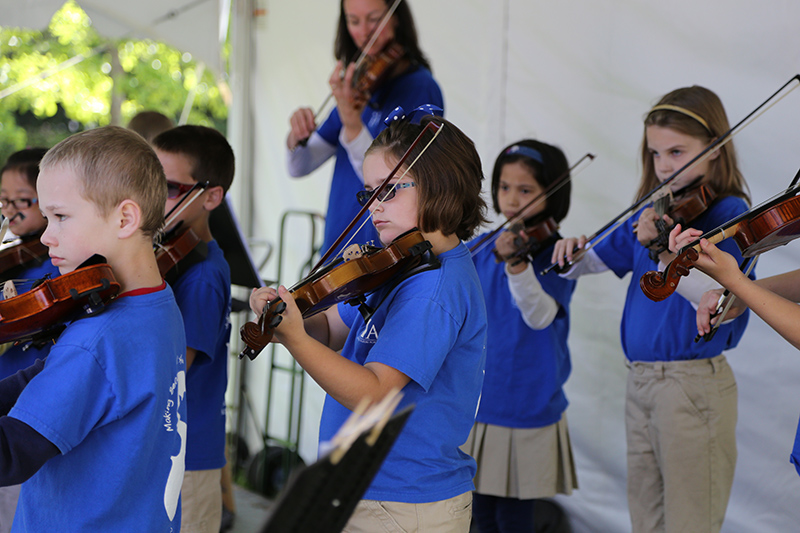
(590, 263)
(538, 308)
(304, 160)
(356, 149)
(693, 286)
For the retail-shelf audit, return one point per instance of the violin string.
(380, 202)
(364, 51)
(493, 235)
(3, 229)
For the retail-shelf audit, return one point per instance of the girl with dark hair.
(520, 439)
(358, 117)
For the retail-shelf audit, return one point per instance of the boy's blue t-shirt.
(24, 354)
(111, 398)
(432, 328)
(665, 331)
(410, 90)
(203, 294)
(525, 368)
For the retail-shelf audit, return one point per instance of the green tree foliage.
(153, 76)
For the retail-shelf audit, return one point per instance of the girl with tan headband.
(681, 398)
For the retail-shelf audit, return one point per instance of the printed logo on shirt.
(174, 422)
(368, 334)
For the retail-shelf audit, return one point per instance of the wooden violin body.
(759, 230)
(54, 301)
(682, 209)
(176, 250)
(375, 70)
(539, 236)
(346, 281)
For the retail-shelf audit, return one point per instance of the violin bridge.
(352, 252)
(9, 290)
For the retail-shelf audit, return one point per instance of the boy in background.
(191, 155)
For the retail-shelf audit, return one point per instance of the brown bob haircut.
(448, 175)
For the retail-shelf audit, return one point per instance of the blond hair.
(114, 164)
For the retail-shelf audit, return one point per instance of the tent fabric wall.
(580, 74)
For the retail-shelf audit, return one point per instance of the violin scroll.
(659, 285)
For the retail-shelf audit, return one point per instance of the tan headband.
(683, 111)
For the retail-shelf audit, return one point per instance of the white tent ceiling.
(194, 26)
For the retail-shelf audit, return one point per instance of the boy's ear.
(129, 217)
(214, 197)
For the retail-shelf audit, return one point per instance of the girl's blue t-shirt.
(203, 294)
(525, 368)
(432, 328)
(111, 397)
(665, 331)
(410, 90)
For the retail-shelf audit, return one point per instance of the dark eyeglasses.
(388, 193)
(175, 189)
(19, 204)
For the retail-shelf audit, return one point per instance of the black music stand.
(226, 231)
(323, 496)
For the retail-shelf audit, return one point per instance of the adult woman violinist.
(18, 201)
(521, 442)
(358, 118)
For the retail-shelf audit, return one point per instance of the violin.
(182, 249)
(540, 236)
(28, 251)
(361, 271)
(44, 308)
(651, 196)
(772, 224)
(682, 209)
(374, 70)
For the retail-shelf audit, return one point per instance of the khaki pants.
(446, 516)
(8, 506)
(680, 420)
(201, 501)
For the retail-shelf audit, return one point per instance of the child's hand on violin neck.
(509, 242)
(563, 249)
(678, 239)
(259, 298)
(646, 227)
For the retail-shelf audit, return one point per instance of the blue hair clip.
(415, 116)
(519, 149)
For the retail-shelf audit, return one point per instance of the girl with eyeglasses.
(426, 336)
(19, 204)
